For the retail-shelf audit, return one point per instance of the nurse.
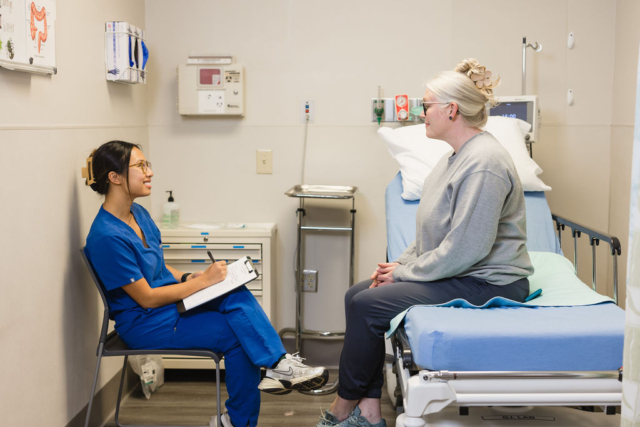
(470, 240)
(125, 248)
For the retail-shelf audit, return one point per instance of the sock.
(278, 361)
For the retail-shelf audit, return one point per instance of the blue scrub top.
(120, 258)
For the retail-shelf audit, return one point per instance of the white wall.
(50, 312)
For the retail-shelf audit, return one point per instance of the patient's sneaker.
(226, 421)
(356, 419)
(292, 374)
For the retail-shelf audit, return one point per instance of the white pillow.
(417, 154)
(510, 133)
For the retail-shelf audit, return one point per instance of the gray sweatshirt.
(471, 219)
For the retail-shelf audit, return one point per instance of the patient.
(470, 240)
(125, 248)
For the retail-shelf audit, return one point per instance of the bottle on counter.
(170, 213)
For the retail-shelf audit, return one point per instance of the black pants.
(369, 312)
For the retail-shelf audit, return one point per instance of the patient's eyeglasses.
(144, 166)
(426, 105)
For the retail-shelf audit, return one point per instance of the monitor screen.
(515, 110)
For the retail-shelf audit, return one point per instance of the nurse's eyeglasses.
(426, 105)
(144, 166)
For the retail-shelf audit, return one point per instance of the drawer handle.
(166, 246)
(238, 247)
(204, 234)
(198, 247)
(197, 260)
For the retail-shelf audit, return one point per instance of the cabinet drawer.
(183, 251)
(191, 239)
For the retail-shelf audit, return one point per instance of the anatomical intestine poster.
(27, 32)
(41, 46)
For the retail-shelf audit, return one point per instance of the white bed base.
(523, 416)
(429, 392)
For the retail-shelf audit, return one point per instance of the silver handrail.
(518, 375)
(595, 237)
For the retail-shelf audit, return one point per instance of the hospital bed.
(453, 360)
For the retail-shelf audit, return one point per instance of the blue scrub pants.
(369, 313)
(234, 325)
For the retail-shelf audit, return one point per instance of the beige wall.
(50, 312)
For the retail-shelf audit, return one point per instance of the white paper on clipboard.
(238, 274)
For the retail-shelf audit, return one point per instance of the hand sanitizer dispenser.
(170, 213)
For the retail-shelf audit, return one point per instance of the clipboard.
(239, 273)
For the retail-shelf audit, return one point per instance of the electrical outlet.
(264, 162)
(309, 281)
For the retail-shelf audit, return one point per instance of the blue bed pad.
(401, 221)
(517, 339)
(502, 334)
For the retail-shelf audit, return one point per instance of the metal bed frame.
(421, 392)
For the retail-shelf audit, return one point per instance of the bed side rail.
(595, 237)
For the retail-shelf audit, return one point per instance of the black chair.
(111, 345)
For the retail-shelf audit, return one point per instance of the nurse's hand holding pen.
(383, 275)
(216, 272)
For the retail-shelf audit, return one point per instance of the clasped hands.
(383, 275)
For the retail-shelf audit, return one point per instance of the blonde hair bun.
(480, 76)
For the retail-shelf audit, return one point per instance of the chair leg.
(218, 393)
(93, 386)
(124, 370)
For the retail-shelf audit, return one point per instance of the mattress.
(582, 338)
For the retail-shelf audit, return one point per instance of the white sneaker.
(292, 374)
(226, 421)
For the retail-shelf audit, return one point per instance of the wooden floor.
(188, 398)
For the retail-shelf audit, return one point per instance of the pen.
(211, 256)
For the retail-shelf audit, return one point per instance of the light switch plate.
(264, 162)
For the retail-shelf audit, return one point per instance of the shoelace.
(324, 420)
(297, 360)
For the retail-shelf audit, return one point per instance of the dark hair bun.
(112, 156)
